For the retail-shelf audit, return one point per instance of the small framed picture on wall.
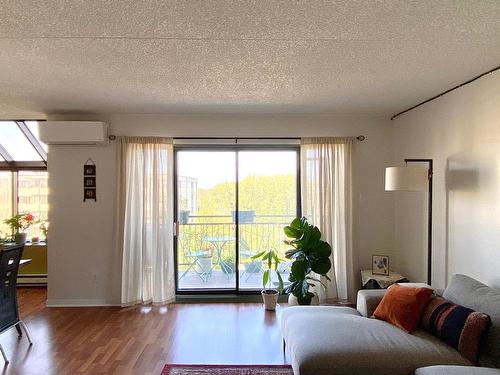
(89, 170)
(89, 194)
(89, 182)
(380, 265)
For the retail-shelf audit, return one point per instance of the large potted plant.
(271, 261)
(19, 223)
(311, 257)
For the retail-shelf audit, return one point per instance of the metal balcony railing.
(214, 236)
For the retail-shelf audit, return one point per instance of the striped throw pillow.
(456, 325)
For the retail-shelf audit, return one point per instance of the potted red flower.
(19, 223)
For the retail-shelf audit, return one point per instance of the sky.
(16, 144)
(214, 167)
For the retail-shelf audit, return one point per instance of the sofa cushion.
(470, 293)
(416, 285)
(403, 306)
(456, 325)
(456, 370)
(325, 340)
(368, 300)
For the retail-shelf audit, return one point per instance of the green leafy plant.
(271, 260)
(20, 222)
(309, 254)
(44, 227)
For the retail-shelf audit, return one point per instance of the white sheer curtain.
(145, 219)
(326, 202)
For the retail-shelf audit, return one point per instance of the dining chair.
(9, 315)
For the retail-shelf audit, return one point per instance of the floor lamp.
(414, 178)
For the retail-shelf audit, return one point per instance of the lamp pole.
(429, 222)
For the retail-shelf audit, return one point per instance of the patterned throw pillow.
(456, 325)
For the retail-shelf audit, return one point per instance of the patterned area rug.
(227, 370)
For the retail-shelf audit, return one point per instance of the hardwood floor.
(139, 340)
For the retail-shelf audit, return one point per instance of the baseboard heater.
(32, 279)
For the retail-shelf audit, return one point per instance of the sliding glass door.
(231, 204)
(206, 233)
(267, 200)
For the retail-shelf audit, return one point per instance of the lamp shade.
(406, 178)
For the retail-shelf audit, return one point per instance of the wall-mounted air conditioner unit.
(73, 132)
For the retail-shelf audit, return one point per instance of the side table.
(371, 281)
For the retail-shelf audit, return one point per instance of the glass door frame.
(230, 148)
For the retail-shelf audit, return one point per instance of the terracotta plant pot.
(270, 297)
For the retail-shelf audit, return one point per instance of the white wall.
(84, 266)
(461, 132)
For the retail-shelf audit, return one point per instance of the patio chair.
(252, 266)
(9, 315)
(194, 253)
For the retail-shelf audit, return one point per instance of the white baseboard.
(32, 280)
(79, 303)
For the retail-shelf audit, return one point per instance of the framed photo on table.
(380, 265)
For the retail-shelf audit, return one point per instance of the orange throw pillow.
(403, 306)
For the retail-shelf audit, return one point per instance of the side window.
(23, 176)
(32, 195)
(6, 201)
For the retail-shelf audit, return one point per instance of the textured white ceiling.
(356, 57)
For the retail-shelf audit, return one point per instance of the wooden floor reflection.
(139, 340)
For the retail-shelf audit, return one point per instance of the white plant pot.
(270, 299)
(204, 265)
(292, 300)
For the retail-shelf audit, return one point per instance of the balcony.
(207, 246)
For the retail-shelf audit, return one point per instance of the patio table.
(219, 242)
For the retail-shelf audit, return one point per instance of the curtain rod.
(359, 138)
(446, 92)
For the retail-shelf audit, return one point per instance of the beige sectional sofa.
(340, 340)
(457, 370)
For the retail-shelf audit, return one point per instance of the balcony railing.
(207, 248)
